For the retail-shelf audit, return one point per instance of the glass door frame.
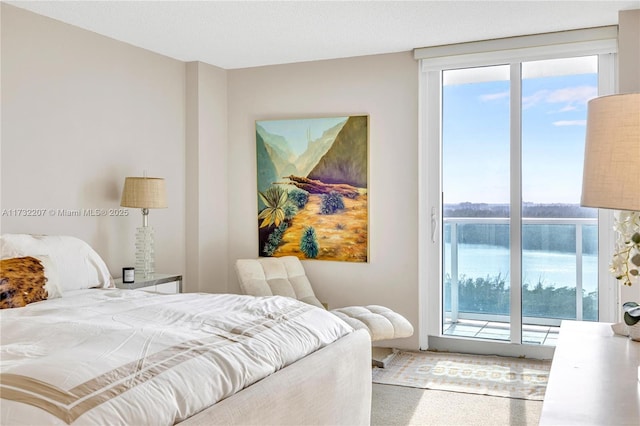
(600, 41)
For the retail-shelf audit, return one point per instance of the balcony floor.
(531, 334)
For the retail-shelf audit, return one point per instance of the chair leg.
(381, 357)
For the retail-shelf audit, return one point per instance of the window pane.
(475, 165)
(559, 238)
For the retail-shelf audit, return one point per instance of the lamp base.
(144, 251)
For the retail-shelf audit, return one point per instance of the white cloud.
(494, 96)
(536, 98)
(570, 96)
(567, 108)
(570, 123)
(580, 94)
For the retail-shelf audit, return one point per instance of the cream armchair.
(285, 276)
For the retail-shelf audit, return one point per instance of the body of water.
(551, 268)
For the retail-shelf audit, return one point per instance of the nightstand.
(155, 283)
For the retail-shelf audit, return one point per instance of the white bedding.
(106, 356)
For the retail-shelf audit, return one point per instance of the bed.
(100, 355)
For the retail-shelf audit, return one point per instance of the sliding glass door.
(518, 252)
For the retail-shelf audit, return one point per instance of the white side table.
(156, 283)
(593, 379)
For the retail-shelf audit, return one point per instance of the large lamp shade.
(611, 176)
(144, 193)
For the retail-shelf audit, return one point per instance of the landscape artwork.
(313, 188)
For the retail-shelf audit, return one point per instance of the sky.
(476, 137)
(295, 131)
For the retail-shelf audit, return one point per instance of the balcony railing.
(454, 223)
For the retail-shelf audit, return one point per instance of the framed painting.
(313, 188)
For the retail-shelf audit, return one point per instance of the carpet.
(478, 374)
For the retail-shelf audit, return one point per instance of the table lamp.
(144, 193)
(611, 178)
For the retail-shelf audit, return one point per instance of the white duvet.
(130, 357)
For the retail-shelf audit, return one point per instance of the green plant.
(491, 294)
(625, 264)
(331, 203)
(299, 197)
(275, 198)
(273, 241)
(309, 242)
(290, 210)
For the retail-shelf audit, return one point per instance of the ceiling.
(241, 34)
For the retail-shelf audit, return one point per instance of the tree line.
(490, 295)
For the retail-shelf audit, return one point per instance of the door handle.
(434, 224)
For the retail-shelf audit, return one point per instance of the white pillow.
(53, 279)
(78, 266)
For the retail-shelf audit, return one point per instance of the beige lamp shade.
(144, 193)
(611, 177)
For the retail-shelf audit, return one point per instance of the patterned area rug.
(478, 374)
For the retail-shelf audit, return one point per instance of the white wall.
(629, 51)
(386, 88)
(206, 178)
(79, 113)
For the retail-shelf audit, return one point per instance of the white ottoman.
(382, 323)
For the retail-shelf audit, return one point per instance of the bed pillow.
(22, 281)
(51, 274)
(78, 266)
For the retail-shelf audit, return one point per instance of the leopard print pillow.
(22, 281)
